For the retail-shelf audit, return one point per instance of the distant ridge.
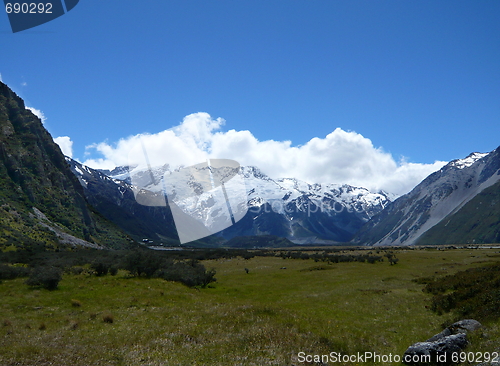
(115, 200)
(459, 204)
(301, 212)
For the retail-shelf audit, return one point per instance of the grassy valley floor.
(263, 317)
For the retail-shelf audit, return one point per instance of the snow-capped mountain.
(440, 196)
(286, 207)
(305, 212)
(468, 161)
(458, 204)
(115, 200)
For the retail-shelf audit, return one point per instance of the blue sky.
(419, 80)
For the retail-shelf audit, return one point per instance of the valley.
(263, 317)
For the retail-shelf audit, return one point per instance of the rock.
(446, 332)
(495, 362)
(463, 326)
(438, 350)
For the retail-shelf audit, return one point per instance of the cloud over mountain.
(340, 157)
(38, 113)
(65, 144)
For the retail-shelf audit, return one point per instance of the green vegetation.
(44, 277)
(477, 222)
(35, 174)
(263, 317)
(48, 266)
(474, 293)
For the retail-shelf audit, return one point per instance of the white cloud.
(38, 113)
(65, 144)
(340, 157)
(1, 77)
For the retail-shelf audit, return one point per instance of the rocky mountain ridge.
(301, 212)
(440, 196)
(42, 204)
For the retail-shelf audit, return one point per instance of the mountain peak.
(440, 196)
(467, 161)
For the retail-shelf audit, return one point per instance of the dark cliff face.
(34, 173)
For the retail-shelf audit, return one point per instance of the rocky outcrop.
(439, 349)
(34, 173)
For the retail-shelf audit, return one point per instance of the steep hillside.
(115, 200)
(478, 222)
(41, 202)
(448, 192)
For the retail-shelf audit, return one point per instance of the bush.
(45, 277)
(100, 267)
(191, 273)
(140, 263)
(473, 293)
(108, 318)
(11, 272)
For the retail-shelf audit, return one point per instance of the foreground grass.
(264, 317)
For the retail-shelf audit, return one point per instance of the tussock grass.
(262, 318)
(76, 303)
(108, 318)
(7, 323)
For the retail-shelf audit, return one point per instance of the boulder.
(439, 349)
(463, 326)
(438, 352)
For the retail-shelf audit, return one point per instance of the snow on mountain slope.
(441, 194)
(327, 197)
(115, 200)
(468, 161)
(286, 207)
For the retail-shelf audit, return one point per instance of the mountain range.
(458, 204)
(48, 201)
(301, 212)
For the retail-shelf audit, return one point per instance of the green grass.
(264, 317)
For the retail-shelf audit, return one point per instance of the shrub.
(473, 293)
(11, 272)
(191, 273)
(100, 267)
(140, 263)
(108, 318)
(113, 271)
(46, 277)
(76, 303)
(76, 270)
